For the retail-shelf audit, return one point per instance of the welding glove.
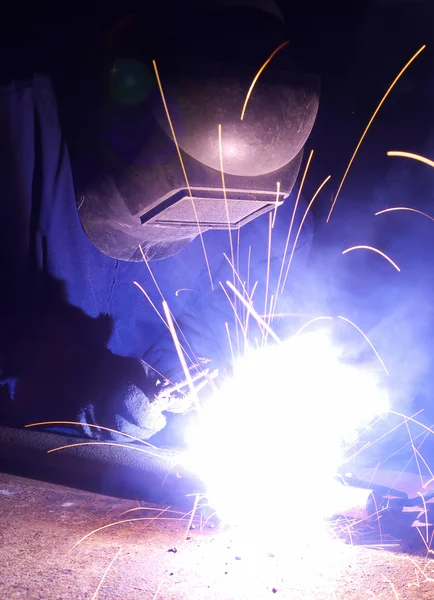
(48, 373)
(134, 415)
(132, 411)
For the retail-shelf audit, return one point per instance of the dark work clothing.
(74, 322)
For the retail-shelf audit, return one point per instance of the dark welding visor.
(135, 189)
(147, 200)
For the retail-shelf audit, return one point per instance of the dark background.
(356, 47)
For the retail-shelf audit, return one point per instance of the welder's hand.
(133, 412)
(135, 415)
(53, 373)
(61, 378)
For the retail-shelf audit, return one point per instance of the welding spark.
(178, 150)
(399, 450)
(255, 79)
(235, 273)
(313, 320)
(160, 585)
(418, 157)
(148, 520)
(267, 277)
(277, 203)
(418, 569)
(105, 444)
(236, 315)
(249, 258)
(228, 219)
(411, 418)
(373, 250)
(415, 210)
(148, 298)
(253, 312)
(428, 550)
(387, 434)
(244, 328)
(309, 206)
(180, 353)
(255, 285)
(224, 193)
(229, 341)
(368, 340)
(94, 597)
(153, 508)
(291, 225)
(131, 437)
(389, 89)
(417, 452)
(395, 593)
(183, 290)
(203, 375)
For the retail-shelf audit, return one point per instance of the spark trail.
(406, 208)
(373, 250)
(412, 155)
(178, 150)
(258, 74)
(383, 99)
(309, 206)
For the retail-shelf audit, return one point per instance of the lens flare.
(274, 434)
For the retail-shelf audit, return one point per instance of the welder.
(95, 198)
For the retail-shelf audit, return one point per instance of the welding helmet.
(150, 171)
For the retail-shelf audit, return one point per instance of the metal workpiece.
(131, 471)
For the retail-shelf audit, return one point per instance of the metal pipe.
(124, 472)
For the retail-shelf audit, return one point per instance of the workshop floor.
(41, 522)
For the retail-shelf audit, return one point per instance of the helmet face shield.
(137, 185)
